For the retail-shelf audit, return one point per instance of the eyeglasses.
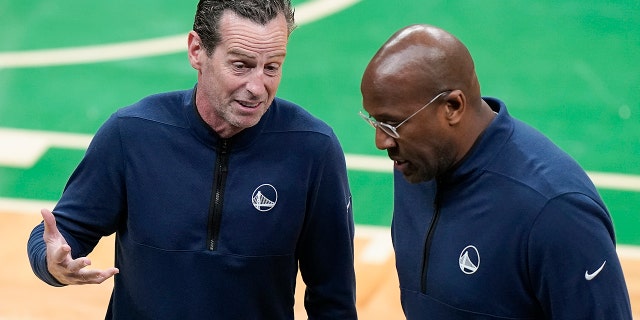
(393, 130)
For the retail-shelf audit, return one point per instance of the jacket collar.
(485, 148)
(209, 137)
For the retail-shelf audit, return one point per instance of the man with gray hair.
(217, 195)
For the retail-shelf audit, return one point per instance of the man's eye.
(272, 69)
(239, 65)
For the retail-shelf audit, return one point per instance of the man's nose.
(256, 83)
(383, 140)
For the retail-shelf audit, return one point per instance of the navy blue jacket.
(211, 228)
(516, 231)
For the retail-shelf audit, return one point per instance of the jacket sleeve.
(325, 251)
(37, 252)
(91, 202)
(574, 267)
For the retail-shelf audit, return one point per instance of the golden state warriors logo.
(469, 260)
(264, 198)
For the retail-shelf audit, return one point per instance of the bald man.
(491, 219)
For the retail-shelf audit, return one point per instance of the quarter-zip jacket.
(211, 228)
(516, 231)
(220, 177)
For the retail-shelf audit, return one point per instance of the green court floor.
(569, 68)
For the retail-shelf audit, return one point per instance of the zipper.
(217, 196)
(429, 239)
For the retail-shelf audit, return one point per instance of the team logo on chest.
(264, 197)
(469, 260)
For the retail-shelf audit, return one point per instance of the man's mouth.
(250, 105)
(400, 164)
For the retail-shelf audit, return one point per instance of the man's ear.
(195, 50)
(456, 106)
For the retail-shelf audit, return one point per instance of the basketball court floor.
(568, 68)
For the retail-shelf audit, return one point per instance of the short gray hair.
(209, 12)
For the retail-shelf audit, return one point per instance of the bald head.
(426, 58)
(425, 75)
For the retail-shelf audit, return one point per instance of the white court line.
(628, 251)
(615, 181)
(381, 164)
(24, 206)
(377, 251)
(307, 12)
(23, 148)
(20, 148)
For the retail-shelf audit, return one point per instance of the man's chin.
(413, 176)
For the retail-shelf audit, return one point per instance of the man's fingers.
(49, 219)
(76, 266)
(51, 232)
(59, 255)
(58, 251)
(96, 276)
(60, 263)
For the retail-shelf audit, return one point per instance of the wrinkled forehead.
(242, 33)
